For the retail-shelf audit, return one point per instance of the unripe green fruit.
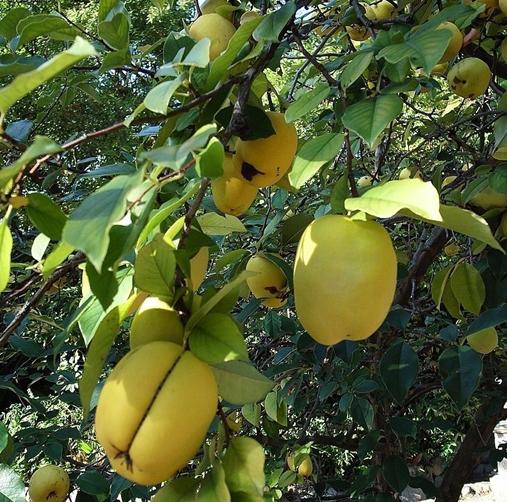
(305, 468)
(344, 278)
(469, 78)
(484, 341)
(384, 10)
(214, 27)
(154, 411)
(49, 483)
(269, 282)
(155, 321)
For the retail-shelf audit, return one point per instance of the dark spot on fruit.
(51, 495)
(248, 171)
(272, 290)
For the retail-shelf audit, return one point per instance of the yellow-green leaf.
(468, 287)
(419, 197)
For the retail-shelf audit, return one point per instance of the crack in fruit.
(249, 172)
(125, 453)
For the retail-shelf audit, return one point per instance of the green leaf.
(468, 287)
(155, 268)
(384, 201)
(403, 426)
(489, 319)
(340, 194)
(293, 228)
(371, 116)
(27, 82)
(423, 47)
(244, 466)
(41, 145)
(37, 25)
(5, 253)
(57, 256)
(178, 490)
(439, 283)
(356, 67)
(396, 473)
(99, 349)
(10, 21)
(115, 30)
(166, 210)
(398, 369)
(240, 383)
(215, 224)
(12, 488)
(46, 215)
(362, 412)
(199, 54)
(210, 162)
(157, 100)
(276, 408)
(312, 156)
(220, 65)
(213, 487)
(272, 25)
(461, 369)
(468, 223)
(252, 413)
(196, 317)
(93, 483)
(217, 339)
(88, 226)
(307, 102)
(4, 438)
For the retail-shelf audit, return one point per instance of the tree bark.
(468, 453)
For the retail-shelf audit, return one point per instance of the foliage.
(113, 124)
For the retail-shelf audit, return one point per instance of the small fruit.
(49, 483)
(451, 249)
(269, 282)
(469, 78)
(455, 43)
(484, 341)
(216, 28)
(489, 198)
(359, 32)
(364, 181)
(503, 6)
(154, 411)
(231, 194)
(155, 321)
(199, 267)
(440, 69)
(344, 278)
(384, 10)
(263, 162)
(305, 468)
(405, 174)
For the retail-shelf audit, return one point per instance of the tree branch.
(37, 297)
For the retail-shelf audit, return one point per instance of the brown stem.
(37, 297)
